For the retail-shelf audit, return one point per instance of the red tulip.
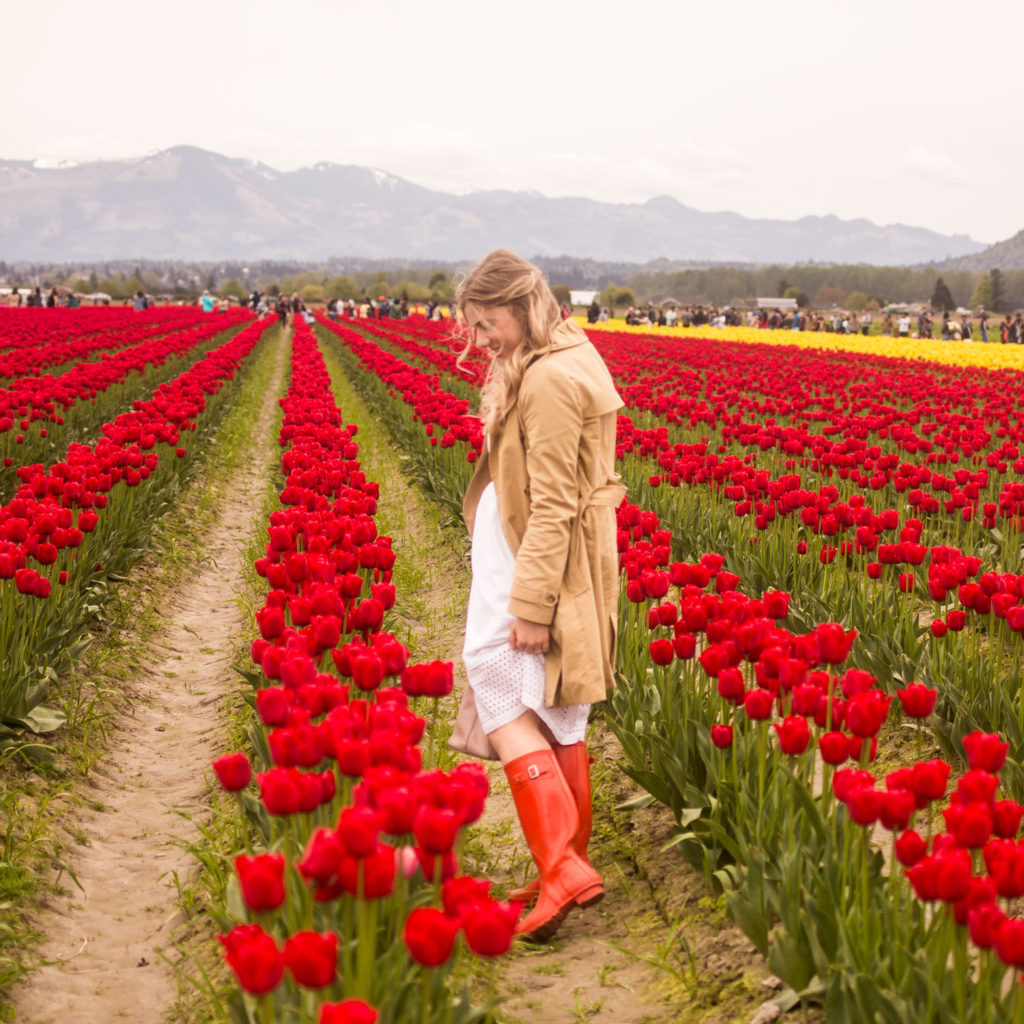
(430, 936)
(985, 751)
(1006, 818)
(983, 923)
(233, 771)
(662, 652)
(758, 704)
(459, 894)
(348, 1011)
(918, 700)
(910, 848)
(834, 747)
(281, 790)
(489, 927)
(323, 856)
(864, 804)
(1010, 942)
(833, 642)
(436, 828)
(730, 684)
(254, 957)
(262, 880)
(371, 877)
(794, 734)
(312, 958)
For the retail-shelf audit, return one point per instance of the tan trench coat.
(553, 468)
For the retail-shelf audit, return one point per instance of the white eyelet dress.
(505, 682)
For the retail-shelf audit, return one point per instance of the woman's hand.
(532, 637)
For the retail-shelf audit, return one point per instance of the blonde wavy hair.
(502, 278)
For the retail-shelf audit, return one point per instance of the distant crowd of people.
(55, 298)
(950, 327)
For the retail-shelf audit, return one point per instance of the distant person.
(593, 312)
(865, 323)
(903, 325)
(282, 310)
(207, 302)
(1006, 330)
(51, 299)
(983, 325)
(966, 331)
(139, 301)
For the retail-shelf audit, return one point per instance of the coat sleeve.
(551, 409)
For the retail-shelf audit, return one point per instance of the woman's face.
(495, 328)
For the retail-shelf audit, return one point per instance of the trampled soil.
(106, 941)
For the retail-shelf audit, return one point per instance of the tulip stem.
(266, 1009)
(426, 998)
(366, 951)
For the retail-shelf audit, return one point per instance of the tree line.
(821, 286)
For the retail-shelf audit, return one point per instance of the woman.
(540, 628)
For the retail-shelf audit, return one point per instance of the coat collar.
(567, 334)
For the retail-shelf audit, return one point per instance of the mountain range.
(192, 204)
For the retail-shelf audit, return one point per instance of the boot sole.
(589, 897)
(546, 931)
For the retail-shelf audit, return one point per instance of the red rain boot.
(548, 815)
(574, 762)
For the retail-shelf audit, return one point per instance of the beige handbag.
(468, 736)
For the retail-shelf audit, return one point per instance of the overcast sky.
(898, 111)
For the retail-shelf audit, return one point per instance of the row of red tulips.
(355, 904)
(70, 525)
(47, 398)
(32, 340)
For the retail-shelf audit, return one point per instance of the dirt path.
(103, 947)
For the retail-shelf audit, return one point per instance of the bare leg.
(522, 736)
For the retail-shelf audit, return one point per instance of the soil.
(105, 946)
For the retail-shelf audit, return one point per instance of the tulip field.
(819, 667)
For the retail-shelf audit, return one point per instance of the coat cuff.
(534, 607)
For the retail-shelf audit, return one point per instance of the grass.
(40, 783)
